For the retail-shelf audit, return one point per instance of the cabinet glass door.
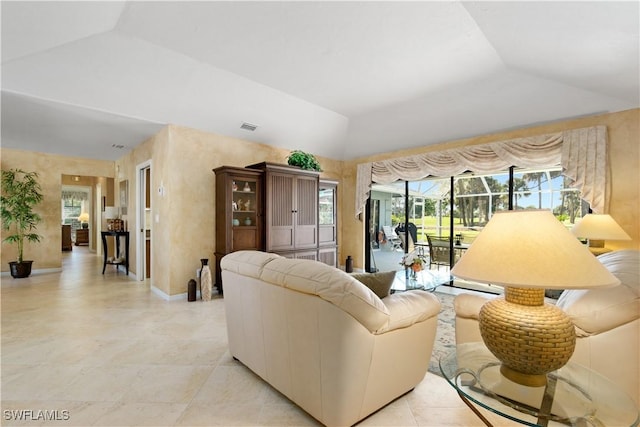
(245, 206)
(327, 206)
(245, 218)
(327, 213)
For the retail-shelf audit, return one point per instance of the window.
(429, 211)
(548, 189)
(71, 210)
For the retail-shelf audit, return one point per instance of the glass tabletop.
(574, 394)
(426, 280)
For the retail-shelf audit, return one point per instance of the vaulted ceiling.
(338, 79)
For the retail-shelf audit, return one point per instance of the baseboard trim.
(178, 297)
(35, 272)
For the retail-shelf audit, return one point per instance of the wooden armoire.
(274, 208)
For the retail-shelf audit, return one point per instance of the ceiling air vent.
(118, 146)
(248, 126)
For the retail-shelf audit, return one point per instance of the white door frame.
(97, 227)
(140, 217)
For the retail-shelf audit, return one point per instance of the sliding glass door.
(410, 216)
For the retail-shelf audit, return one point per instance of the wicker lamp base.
(529, 337)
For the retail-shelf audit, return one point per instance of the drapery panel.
(582, 153)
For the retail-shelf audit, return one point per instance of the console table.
(118, 260)
(573, 395)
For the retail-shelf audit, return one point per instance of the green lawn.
(428, 225)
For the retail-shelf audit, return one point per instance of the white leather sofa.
(322, 338)
(607, 322)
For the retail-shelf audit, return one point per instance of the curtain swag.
(74, 195)
(582, 153)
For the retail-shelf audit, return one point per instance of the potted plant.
(303, 160)
(21, 192)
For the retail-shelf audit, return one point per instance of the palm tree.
(520, 189)
(537, 178)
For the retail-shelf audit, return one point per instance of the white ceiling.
(338, 79)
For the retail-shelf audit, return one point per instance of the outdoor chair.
(392, 237)
(413, 230)
(439, 251)
(411, 246)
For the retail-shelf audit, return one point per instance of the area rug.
(446, 332)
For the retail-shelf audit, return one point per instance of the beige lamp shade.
(599, 227)
(110, 212)
(531, 249)
(84, 217)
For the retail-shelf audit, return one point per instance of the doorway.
(76, 214)
(144, 220)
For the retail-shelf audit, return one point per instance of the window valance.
(582, 153)
(74, 195)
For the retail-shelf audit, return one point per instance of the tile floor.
(102, 350)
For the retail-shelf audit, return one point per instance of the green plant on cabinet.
(303, 160)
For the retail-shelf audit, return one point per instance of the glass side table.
(426, 280)
(574, 395)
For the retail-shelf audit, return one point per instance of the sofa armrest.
(595, 311)
(467, 309)
(407, 308)
(468, 306)
(600, 310)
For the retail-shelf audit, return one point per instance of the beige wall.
(188, 203)
(624, 142)
(125, 170)
(183, 159)
(47, 254)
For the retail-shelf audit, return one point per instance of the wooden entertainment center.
(275, 208)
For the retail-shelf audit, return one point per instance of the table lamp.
(111, 214)
(84, 219)
(597, 228)
(527, 252)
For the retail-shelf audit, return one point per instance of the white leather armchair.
(607, 322)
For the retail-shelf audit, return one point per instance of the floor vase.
(205, 280)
